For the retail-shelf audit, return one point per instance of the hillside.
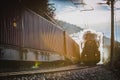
(69, 28)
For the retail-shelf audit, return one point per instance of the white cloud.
(73, 15)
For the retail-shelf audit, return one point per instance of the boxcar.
(26, 36)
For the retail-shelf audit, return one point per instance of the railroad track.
(50, 74)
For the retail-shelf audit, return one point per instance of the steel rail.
(38, 71)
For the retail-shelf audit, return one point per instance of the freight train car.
(26, 36)
(72, 49)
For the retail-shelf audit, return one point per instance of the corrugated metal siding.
(41, 34)
(9, 34)
(33, 31)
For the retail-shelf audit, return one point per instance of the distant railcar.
(72, 49)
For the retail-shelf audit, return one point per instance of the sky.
(92, 15)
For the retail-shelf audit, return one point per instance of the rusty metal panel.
(72, 49)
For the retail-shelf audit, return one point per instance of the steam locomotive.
(90, 48)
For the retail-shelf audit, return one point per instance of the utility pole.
(112, 33)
